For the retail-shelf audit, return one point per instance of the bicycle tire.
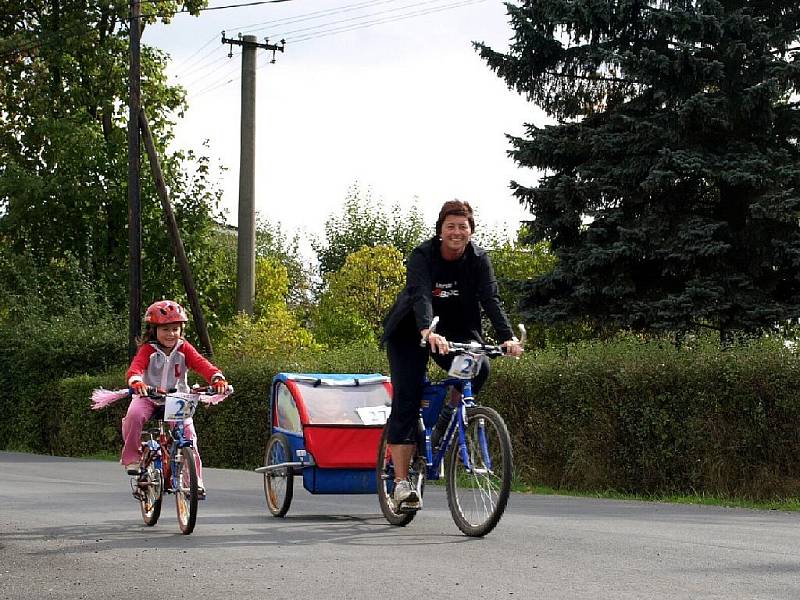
(384, 479)
(278, 484)
(151, 490)
(478, 497)
(186, 490)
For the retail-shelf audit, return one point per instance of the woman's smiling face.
(456, 233)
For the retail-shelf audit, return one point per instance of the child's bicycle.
(168, 461)
(474, 454)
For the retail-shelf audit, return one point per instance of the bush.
(629, 415)
(645, 417)
(36, 353)
(231, 435)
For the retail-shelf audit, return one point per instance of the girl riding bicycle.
(162, 362)
(452, 278)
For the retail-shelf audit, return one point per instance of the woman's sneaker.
(405, 496)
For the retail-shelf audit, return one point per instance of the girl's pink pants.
(139, 411)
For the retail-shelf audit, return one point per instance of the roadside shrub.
(232, 434)
(630, 415)
(646, 417)
(34, 354)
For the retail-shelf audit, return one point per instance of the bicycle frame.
(457, 425)
(178, 441)
(171, 438)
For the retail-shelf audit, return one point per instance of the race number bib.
(465, 366)
(374, 415)
(179, 408)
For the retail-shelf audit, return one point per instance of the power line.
(201, 66)
(220, 84)
(185, 61)
(365, 25)
(288, 20)
(315, 15)
(207, 8)
(197, 79)
(312, 15)
(286, 34)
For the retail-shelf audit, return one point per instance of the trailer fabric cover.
(334, 432)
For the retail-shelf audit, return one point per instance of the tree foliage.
(362, 222)
(63, 145)
(359, 295)
(670, 180)
(280, 273)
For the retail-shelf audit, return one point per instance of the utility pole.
(134, 191)
(246, 240)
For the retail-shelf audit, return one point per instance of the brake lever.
(424, 341)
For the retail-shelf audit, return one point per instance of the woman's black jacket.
(478, 289)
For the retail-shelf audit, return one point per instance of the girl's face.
(169, 334)
(456, 234)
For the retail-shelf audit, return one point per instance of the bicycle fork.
(151, 457)
(474, 462)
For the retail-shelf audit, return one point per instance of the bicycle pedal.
(409, 507)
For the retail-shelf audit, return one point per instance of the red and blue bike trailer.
(325, 428)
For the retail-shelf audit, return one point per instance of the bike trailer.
(333, 423)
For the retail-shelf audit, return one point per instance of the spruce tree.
(670, 188)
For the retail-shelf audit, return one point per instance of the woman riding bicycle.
(162, 362)
(449, 277)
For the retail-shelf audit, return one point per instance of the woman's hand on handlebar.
(512, 347)
(437, 342)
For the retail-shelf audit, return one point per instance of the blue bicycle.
(474, 455)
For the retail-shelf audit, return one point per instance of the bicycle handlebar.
(160, 395)
(474, 347)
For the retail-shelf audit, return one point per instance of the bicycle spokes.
(479, 472)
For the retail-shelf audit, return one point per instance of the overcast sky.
(400, 103)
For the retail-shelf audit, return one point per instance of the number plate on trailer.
(374, 415)
(465, 366)
(179, 407)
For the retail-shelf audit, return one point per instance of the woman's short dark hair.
(458, 208)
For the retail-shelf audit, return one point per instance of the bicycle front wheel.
(151, 490)
(186, 489)
(384, 476)
(479, 474)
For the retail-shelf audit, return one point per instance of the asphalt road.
(69, 528)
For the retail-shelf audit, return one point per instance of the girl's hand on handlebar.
(219, 385)
(139, 388)
(512, 347)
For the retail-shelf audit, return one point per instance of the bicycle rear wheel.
(186, 490)
(384, 478)
(278, 484)
(151, 490)
(477, 492)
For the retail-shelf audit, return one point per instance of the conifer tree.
(671, 181)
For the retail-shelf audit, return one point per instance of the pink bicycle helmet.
(165, 311)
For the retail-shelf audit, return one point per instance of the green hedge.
(625, 415)
(34, 356)
(232, 434)
(649, 418)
